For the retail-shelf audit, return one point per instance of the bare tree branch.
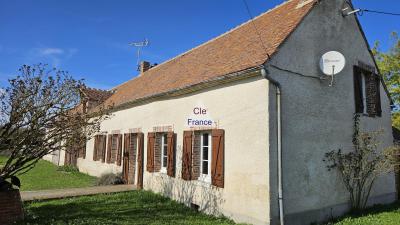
(39, 114)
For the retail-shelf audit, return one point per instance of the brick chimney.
(144, 66)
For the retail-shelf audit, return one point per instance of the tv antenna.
(139, 46)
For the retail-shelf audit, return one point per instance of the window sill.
(370, 116)
(160, 173)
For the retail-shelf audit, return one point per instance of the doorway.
(133, 159)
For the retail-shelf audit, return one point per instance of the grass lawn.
(46, 176)
(135, 207)
(377, 215)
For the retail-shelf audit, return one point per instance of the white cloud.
(50, 51)
(50, 55)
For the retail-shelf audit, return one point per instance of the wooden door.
(125, 168)
(140, 138)
(129, 158)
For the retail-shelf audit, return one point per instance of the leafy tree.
(39, 114)
(389, 66)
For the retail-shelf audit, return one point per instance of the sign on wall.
(200, 118)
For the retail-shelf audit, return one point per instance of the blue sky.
(90, 38)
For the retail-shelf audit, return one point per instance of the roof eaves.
(239, 75)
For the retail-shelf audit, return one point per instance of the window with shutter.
(109, 142)
(133, 146)
(378, 96)
(139, 184)
(103, 147)
(150, 152)
(187, 155)
(127, 138)
(164, 152)
(171, 154)
(358, 90)
(157, 152)
(96, 147)
(82, 149)
(196, 154)
(125, 161)
(161, 153)
(367, 92)
(99, 148)
(217, 159)
(119, 149)
(205, 157)
(364, 92)
(370, 86)
(114, 148)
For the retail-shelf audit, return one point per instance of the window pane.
(205, 168)
(165, 138)
(114, 141)
(205, 153)
(164, 161)
(205, 139)
(165, 150)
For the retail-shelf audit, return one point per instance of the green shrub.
(110, 179)
(68, 168)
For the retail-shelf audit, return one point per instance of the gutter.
(265, 74)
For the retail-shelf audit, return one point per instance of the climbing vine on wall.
(359, 168)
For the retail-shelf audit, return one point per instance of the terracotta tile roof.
(94, 97)
(96, 94)
(233, 51)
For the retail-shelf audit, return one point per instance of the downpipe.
(266, 75)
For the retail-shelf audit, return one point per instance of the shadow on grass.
(137, 207)
(370, 211)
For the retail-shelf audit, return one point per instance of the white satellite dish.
(332, 63)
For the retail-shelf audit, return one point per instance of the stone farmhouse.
(239, 125)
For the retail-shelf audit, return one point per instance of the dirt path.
(73, 192)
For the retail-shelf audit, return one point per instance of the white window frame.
(136, 169)
(205, 177)
(364, 92)
(164, 138)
